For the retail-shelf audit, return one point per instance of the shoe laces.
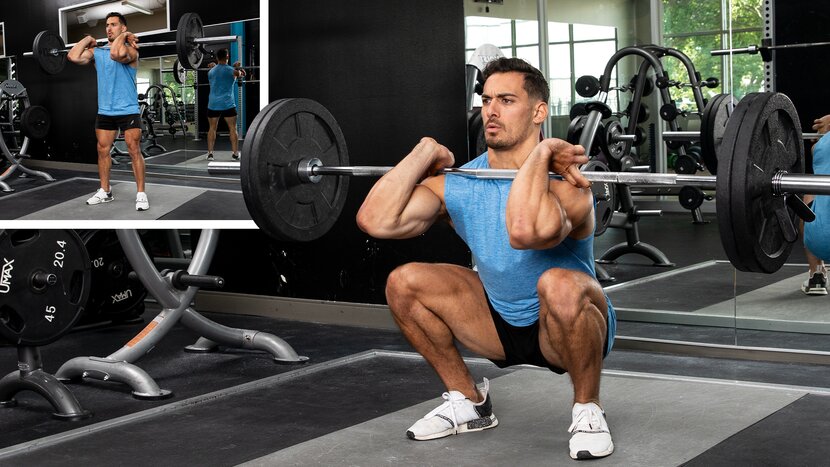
(588, 420)
(450, 398)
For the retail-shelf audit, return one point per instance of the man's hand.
(565, 160)
(822, 125)
(131, 39)
(211, 65)
(441, 156)
(90, 42)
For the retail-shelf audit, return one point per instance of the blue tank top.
(477, 208)
(817, 233)
(222, 92)
(117, 92)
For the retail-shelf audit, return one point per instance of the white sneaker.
(457, 415)
(100, 196)
(141, 201)
(591, 437)
(209, 156)
(816, 284)
(235, 156)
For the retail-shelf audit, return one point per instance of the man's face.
(114, 28)
(507, 111)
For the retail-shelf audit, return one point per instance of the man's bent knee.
(566, 294)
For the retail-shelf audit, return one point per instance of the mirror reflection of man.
(222, 100)
(116, 65)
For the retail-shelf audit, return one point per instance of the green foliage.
(696, 27)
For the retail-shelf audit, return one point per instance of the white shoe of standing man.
(141, 201)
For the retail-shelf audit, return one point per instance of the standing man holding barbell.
(534, 298)
(116, 66)
(222, 100)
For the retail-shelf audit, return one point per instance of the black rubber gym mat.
(186, 374)
(239, 427)
(223, 205)
(694, 289)
(24, 203)
(790, 436)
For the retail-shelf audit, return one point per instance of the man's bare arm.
(398, 206)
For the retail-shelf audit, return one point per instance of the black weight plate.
(575, 133)
(691, 197)
(475, 134)
(587, 86)
(113, 294)
(613, 148)
(605, 197)
(648, 87)
(283, 133)
(179, 72)
(668, 112)
(767, 140)
(685, 164)
(723, 193)
(188, 29)
(44, 43)
(712, 126)
(36, 313)
(578, 110)
(35, 122)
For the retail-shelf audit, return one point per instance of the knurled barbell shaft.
(781, 183)
(695, 136)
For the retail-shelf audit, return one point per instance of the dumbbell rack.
(10, 91)
(119, 366)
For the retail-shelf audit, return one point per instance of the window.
(573, 50)
(698, 27)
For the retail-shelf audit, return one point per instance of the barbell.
(295, 176)
(50, 51)
(765, 49)
(180, 74)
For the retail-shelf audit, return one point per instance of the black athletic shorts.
(221, 113)
(117, 122)
(521, 344)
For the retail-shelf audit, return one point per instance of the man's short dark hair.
(117, 15)
(222, 54)
(535, 83)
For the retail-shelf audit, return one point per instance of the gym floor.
(351, 403)
(197, 196)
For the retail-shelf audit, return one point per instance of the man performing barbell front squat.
(817, 233)
(534, 298)
(116, 66)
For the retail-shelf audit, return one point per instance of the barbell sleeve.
(695, 136)
(752, 49)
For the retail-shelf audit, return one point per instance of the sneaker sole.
(479, 424)
(100, 202)
(142, 209)
(814, 291)
(582, 455)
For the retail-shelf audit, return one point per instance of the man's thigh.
(455, 295)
